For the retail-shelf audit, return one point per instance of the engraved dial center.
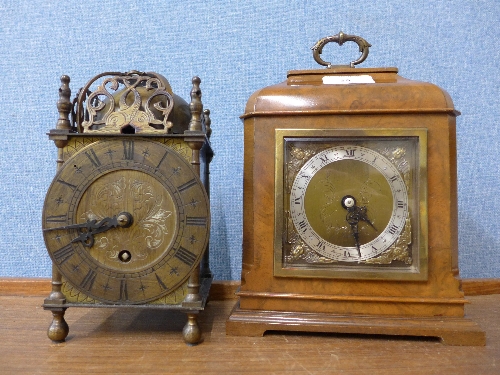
(342, 185)
(147, 219)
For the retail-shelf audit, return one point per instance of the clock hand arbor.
(354, 215)
(90, 228)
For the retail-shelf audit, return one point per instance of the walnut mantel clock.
(126, 219)
(353, 228)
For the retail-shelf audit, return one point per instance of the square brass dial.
(351, 203)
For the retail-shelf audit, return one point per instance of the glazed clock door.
(352, 203)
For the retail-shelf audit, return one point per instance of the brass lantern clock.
(126, 219)
(353, 229)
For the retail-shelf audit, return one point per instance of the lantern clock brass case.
(126, 220)
(312, 235)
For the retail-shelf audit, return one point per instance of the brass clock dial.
(348, 203)
(125, 221)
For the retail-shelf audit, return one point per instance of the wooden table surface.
(125, 341)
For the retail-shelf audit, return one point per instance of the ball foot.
(191, 332)
(58, 329)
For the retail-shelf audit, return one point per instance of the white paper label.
(347, 80)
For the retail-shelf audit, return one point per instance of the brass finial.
(207, 121)
(196, 106)
(64, 104)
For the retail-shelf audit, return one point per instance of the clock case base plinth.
(58, 329)
(450, 330)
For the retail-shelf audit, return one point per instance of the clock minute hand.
(354, 214)
(352, 219)
(93, 228)
(88, 224)
(90, 228)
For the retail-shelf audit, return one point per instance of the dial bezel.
(336, 266)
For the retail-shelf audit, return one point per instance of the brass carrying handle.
(340, 38)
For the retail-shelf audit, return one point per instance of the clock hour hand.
(362, 216)
(90, 228)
